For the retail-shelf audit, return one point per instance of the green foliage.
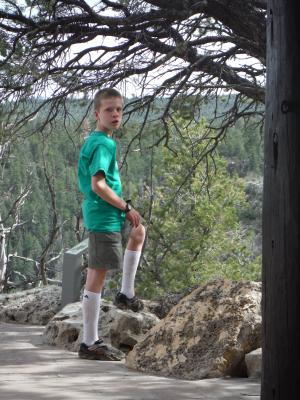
(195, 233)
(243, 146)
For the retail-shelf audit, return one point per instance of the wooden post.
(281, 209)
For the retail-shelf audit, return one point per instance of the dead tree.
(6, 230)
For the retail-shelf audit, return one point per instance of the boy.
(104, 212)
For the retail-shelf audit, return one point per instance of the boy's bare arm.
(100, 187)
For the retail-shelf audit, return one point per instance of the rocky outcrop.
(34, 306)
(206, 335)
(122, 329)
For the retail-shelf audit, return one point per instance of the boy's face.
(109, 114)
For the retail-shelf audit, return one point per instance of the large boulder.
(34, 306)
(122, 329)
(206, 335)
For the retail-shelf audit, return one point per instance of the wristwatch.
(128, 206)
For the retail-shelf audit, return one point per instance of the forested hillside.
(203, 217)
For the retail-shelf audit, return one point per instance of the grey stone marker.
(71, 278)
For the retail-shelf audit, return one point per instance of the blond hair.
(105, 94)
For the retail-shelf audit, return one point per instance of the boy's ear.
(96, 114)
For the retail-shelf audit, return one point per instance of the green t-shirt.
(98, 153)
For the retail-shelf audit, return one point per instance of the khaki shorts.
(105, 250)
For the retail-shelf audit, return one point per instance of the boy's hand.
(133, 217)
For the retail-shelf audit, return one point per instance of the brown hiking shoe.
(124, 303)
(100, 351)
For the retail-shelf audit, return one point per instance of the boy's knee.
(141, 231)
(138, 233)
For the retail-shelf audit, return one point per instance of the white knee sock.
(130, 264)
(90, 313)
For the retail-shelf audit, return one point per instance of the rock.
(206, 335)
(253, 363)
(122, 329)
(34, 306)
(162, 306)
(129, 327)
(64, 329)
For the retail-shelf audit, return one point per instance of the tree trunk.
(281, 210)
